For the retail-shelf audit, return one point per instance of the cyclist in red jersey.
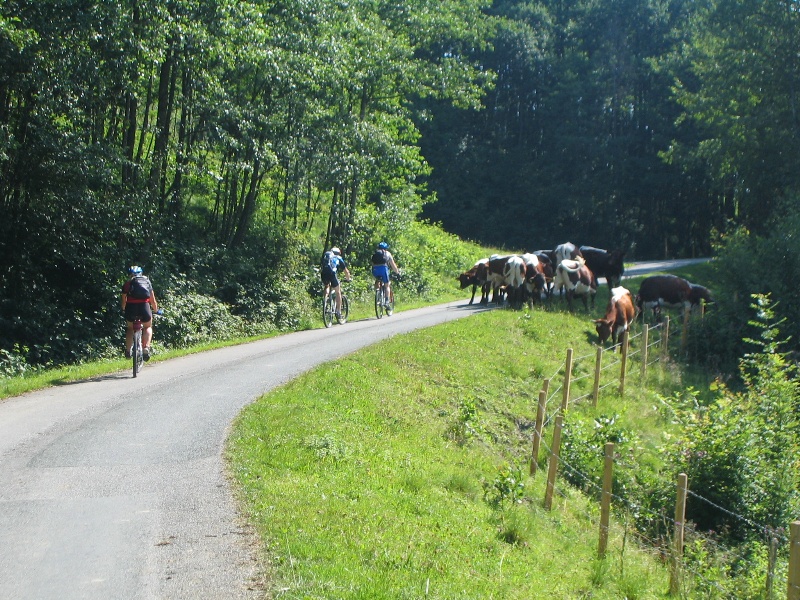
(138, 302)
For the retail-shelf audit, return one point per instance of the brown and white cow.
(548, 269)
(562, 252)
(535, 279)
(620, 313)
(514, 280)
(575, 277)
(495, 276)
(476, 277)
(669, 291)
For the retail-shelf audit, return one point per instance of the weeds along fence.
(612, 369)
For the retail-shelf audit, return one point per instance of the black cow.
(605, 264)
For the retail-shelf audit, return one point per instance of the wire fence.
(680, 543)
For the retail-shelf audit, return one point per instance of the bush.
(192, 318)
(741, 451)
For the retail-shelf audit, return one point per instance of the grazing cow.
(476, 277)
(620, 312)
(669, 291)
(535, 280)
(577, 279)
(495, 276)
(698, 293)
(565, 251)
(605, 264)
(548, 269)
(514, 280)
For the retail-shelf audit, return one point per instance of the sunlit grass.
(363, 485)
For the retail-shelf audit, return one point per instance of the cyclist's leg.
(338, 290)
(147, 333)
(128, 338)
(337, 293)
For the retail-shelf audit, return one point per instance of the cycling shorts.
(329, 276)
(139, 310)
(381, 272)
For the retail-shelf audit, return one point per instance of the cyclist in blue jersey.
(382, 261)
(332, 262)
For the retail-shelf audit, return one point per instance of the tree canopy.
(223, 143)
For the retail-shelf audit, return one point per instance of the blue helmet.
(383, 246)
(135, 270)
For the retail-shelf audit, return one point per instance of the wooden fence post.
(605, 499)
(537, 432)
(645, 342)
(665, 337)
(623, 363)
(677, 550)
(567, 381)
(598, 361)
(555, 449)
(793, 586)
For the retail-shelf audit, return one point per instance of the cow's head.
(467, 279)
(603, 328)
(698, 292)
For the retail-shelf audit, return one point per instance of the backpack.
(379, 257)
(140, 288)
(329, 261)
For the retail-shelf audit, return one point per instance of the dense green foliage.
(643, 123)
(224, 144)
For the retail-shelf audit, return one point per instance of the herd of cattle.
(573, 271)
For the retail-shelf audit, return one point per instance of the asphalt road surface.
(116, 487)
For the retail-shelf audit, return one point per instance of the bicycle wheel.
(379, 302)
(136, 354)
(345, 310)
(390, 304)
(327, 310)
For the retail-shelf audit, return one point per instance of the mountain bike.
(137, 352)
(383, 303)
(329, 307)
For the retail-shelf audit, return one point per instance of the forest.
(223, 144)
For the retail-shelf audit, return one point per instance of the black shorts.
(138, 310)
(329, 276)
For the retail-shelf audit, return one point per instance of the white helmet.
(336, 251)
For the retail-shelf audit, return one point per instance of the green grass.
(366, 478)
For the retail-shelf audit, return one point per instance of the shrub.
(192, 318)
(741, 450)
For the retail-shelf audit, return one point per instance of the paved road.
(641, 268)
(116, 487)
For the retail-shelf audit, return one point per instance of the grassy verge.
(395, 473)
